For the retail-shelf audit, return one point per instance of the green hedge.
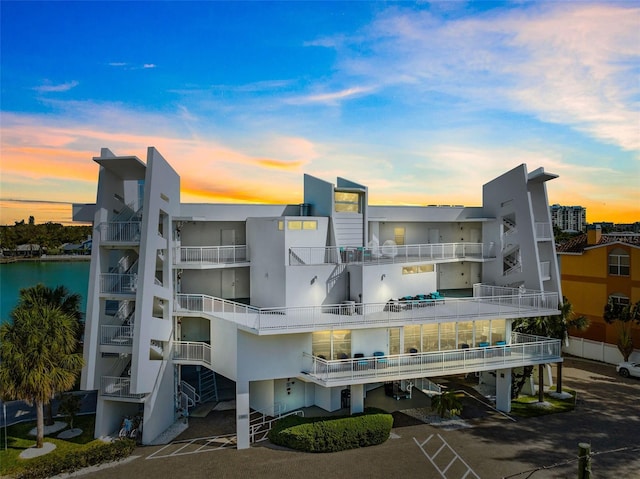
(97, 452)
(331, 434)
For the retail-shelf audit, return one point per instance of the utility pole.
(584, 460)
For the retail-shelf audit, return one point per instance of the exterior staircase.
(207, 385)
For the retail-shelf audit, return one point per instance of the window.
(310, 225)
(301, 225)
(619, 299)
(424, 268)
(347, 202)
(412, 338)
(331, 345)
(294, 225)
(281, 225)
(498, 330)
(465, 334)
(398, 236)
(619, 262)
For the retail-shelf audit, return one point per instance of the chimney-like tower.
(594, 233)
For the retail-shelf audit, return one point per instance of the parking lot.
(607, 416)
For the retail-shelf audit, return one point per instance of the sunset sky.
(422, 102)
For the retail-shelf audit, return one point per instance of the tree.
(623, 315)
(38, 356)
(70, 406)
(556, 327)
(446, 404)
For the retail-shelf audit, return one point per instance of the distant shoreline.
(58, 257)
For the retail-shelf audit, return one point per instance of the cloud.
(149, 65)
(574, 64)
(330, 97)
(118, 64)
(48, 87)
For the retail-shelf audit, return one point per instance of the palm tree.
(556, 327)
(446, 404)
(623, 315)
(38, 356)
(68, 302)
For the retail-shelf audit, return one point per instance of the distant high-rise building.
(569, 218)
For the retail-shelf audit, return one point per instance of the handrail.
(523, 349)
(117, 386)
(116, 335)
(120, 231)
(487, 302)
(211, 254)
(192, 351)
(259, 428)
(119, 283)
(380, 255)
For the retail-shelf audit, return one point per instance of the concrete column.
(357, 398)
(242, 415)
(503, 390)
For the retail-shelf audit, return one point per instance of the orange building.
(595, 267)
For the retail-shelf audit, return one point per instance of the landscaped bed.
(322, 434)
(529, 406)
(69, 454)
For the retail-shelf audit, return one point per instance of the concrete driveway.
(607, 416)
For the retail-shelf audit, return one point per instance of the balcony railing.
(523, 350)
(487, 302)
(117, 387)
(118, 283)
(120, 232)
(544, 231)
(116, 335)
(211, 254)
(192, 352)
(386, 254)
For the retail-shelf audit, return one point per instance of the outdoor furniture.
(360, 362)
(380, 359)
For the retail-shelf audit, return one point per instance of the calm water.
(15, 276)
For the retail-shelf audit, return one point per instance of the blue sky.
(421, 101)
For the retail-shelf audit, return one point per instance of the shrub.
(333, 434)
(95, 453)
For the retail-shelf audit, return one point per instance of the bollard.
(584, 460)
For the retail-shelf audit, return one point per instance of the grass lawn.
(18, 439)
(528, 406)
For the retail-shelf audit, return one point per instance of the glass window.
(447, 336)
(619, 299)
(346, 202)
(394, 340)
(412, 338)
(294, 225)
(465, 334)
(430, 337)
(619, 262)
(483, 332)
(281, 225)
(498, 330)
(321, 344)
(341, 341)
(409, 269)
(425, 268)
(310, 225)
(398, 235)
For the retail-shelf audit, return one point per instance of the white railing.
(188, 394)
(117, 387)
(385, 254)
(487, 302)
(120, 232)
(260, 423)
(118, 283)
(211, 254)
(192, 351)
(544, 231)
(523, 350)
(116, 335)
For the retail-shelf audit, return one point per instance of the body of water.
(74, 275)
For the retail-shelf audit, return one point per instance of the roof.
(579, 243)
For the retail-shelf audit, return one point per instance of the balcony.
(388, 254)
(116, 335)
(544, 231)
(118, 283)
(488, 302)
(210, 255)
(119, 232)
(117, 387)
(192, 352)
(524, 350)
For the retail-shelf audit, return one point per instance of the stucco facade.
(296, 303)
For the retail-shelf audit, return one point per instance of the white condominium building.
(294, 304)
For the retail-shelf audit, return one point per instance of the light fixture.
(382, 277)
(314, 279)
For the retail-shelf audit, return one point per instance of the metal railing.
(120, 231)
(192, 351)
(118, 283)
(543, 230)
(386, 254)
(523, 350)
(116, 335)
(261, 423)
(117, 387)
(188, 395)
(487, 302)
(211, 254)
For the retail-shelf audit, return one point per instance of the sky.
(423, 102)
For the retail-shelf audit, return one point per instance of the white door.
(227, 240)
(434, 236)
(228, 287)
